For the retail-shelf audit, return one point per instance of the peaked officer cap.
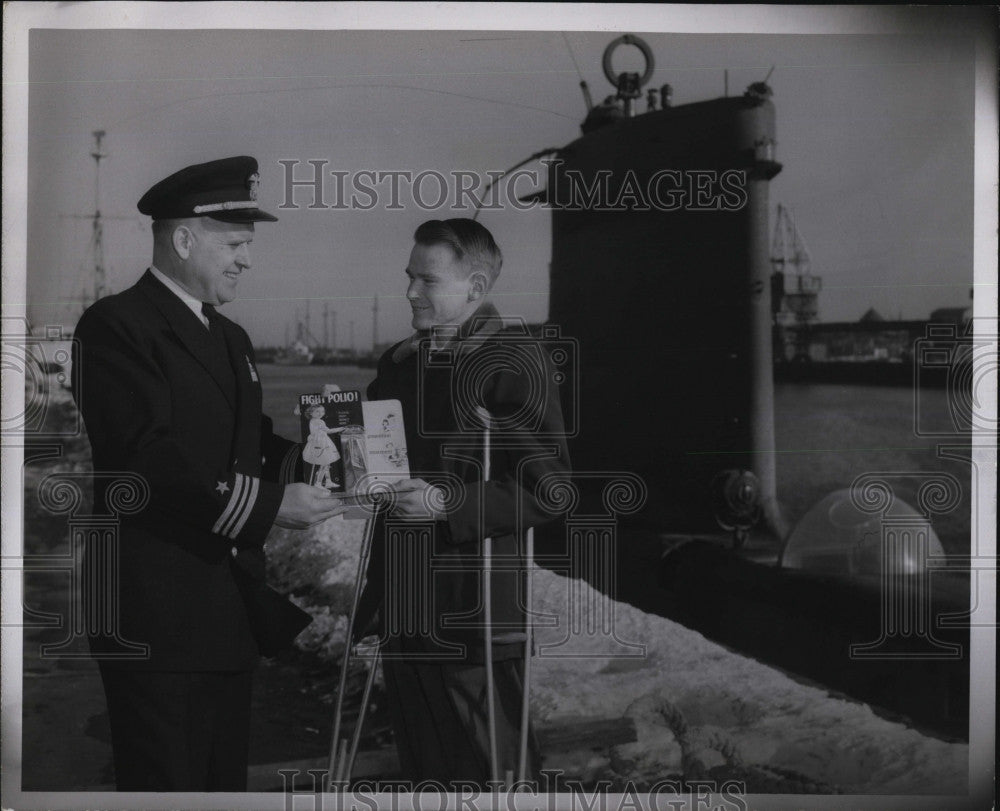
(224, 190)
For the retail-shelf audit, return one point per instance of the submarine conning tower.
(660, 269)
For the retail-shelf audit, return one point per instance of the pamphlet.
(353, 448)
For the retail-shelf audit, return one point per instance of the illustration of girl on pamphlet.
(320, 450)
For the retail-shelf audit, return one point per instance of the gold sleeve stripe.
(239, 485)
(247, 508)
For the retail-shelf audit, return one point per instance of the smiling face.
(213, 255)
(441, 289)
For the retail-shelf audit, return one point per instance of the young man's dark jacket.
(511, 375)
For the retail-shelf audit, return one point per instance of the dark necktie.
(214, 326)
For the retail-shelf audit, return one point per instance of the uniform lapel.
(191, 332)
(248, 399)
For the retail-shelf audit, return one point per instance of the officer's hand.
(415, 498)
(304, 505)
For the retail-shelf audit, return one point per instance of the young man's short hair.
(468, 239)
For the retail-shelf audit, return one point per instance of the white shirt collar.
(181, 293)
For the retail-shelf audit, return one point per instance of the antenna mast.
(97, 239)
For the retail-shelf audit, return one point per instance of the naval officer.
(169, 390)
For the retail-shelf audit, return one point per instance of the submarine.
(660, 275)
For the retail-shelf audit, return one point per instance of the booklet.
(351, 445)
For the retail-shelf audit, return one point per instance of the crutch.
(491, 718)
(348, 766)
(529, 560)
(337, 748)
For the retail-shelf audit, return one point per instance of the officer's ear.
(479, 285)
(182, 239)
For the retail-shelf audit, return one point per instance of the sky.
(875, 134)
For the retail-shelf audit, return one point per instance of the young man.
(169, 393)
(462, 372)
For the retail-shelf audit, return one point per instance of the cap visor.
(242, 215)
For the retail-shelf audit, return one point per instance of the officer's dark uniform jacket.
(444, 442)
(163, 397)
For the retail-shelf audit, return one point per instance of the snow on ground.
(696, 705)
(734, 709)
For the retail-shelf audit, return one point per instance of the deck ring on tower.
(628, 39)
